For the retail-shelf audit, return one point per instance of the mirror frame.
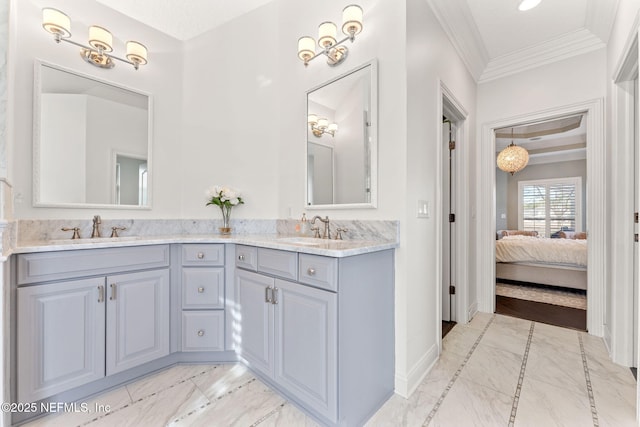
(37, 203)
(373, 134)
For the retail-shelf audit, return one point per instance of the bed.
(554, 262)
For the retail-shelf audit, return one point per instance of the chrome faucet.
(96, 226)
(327, 231)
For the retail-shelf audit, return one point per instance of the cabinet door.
(254, 320)
(60, 337)
(306, 345)
(137, 319)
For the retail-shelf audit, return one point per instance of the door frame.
(449, 105)
(596, 198)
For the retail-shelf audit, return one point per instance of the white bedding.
(535, 249)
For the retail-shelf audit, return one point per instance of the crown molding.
(601, 14)
(458, 24)
(572, 44)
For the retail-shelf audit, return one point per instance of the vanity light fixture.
(334, 50)
(320, 126)
(513, 158)
(100, 41)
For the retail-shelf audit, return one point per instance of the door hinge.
(635, 217)
(452, 217)
(452, 145)
(635, 237)
(452, 290)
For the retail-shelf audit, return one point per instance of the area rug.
(562, 297)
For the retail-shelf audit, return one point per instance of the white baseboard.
(405, 385)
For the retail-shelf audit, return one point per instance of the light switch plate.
(423, 209)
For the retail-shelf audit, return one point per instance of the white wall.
(161, 78)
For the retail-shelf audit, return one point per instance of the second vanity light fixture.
(334, 50)
(98, 52)
(320, 126)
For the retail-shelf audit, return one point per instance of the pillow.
(580, 235)
(506, 233)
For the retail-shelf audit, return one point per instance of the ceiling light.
(100, 41)
(334, 50)
(528, 4)
(513, 158)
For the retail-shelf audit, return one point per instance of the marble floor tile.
(594, 346)
(507, 336)
(470, 404)
(479, 321)
(249, 405)
(563, 369)
(222, 380)
(286, 416)
(561, 339)
(543, 404)
(159, 409)
(164, 379)
(460, 340)
(96, 407)
(494, 368)
(615, 401)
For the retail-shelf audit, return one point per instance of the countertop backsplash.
(21, 231)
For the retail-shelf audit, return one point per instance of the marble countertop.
(333, 248)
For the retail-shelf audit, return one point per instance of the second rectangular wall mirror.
(342, 141)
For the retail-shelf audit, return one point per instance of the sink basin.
(304, 241)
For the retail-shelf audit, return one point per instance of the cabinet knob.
(201, 332)
(241, 257)
(200, 290)
(311, 271)
(200, 255)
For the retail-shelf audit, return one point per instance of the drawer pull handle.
(201, 333)
(267, 297)
(200, 255)
(200, 290)
(311, 271)
(275, 296)
(240, 257)
(113, 291)
(100, 293)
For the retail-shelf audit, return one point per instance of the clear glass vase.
(226, 220)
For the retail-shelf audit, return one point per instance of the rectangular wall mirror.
(92, 142)
(342, 141)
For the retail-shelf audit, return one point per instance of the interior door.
(636, 229)
(449, 229)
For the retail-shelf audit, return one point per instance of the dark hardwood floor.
(446, 327)
(544, 313)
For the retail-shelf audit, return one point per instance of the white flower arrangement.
(226, 198)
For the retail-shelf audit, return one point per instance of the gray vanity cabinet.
(61, 330)
(72, 332)
(289, 335)
(318, 328)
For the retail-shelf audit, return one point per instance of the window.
(550, 205)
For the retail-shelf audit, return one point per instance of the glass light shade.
(136, 52)
(528, 4)
(306, 48)
(513, 159)
(56, 22)
(323, 123)
(327, 34)
(332, 127)
(352, 20)
(312, 119)
(100, 38)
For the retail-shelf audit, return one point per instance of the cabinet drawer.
(203, 287)
(247, 257)
(41, 267)
(319, 271)
(279, 263)
(203, 254)
(203, 330)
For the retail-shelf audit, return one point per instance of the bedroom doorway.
(541, 246)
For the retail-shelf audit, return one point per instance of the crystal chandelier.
(513, 158)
